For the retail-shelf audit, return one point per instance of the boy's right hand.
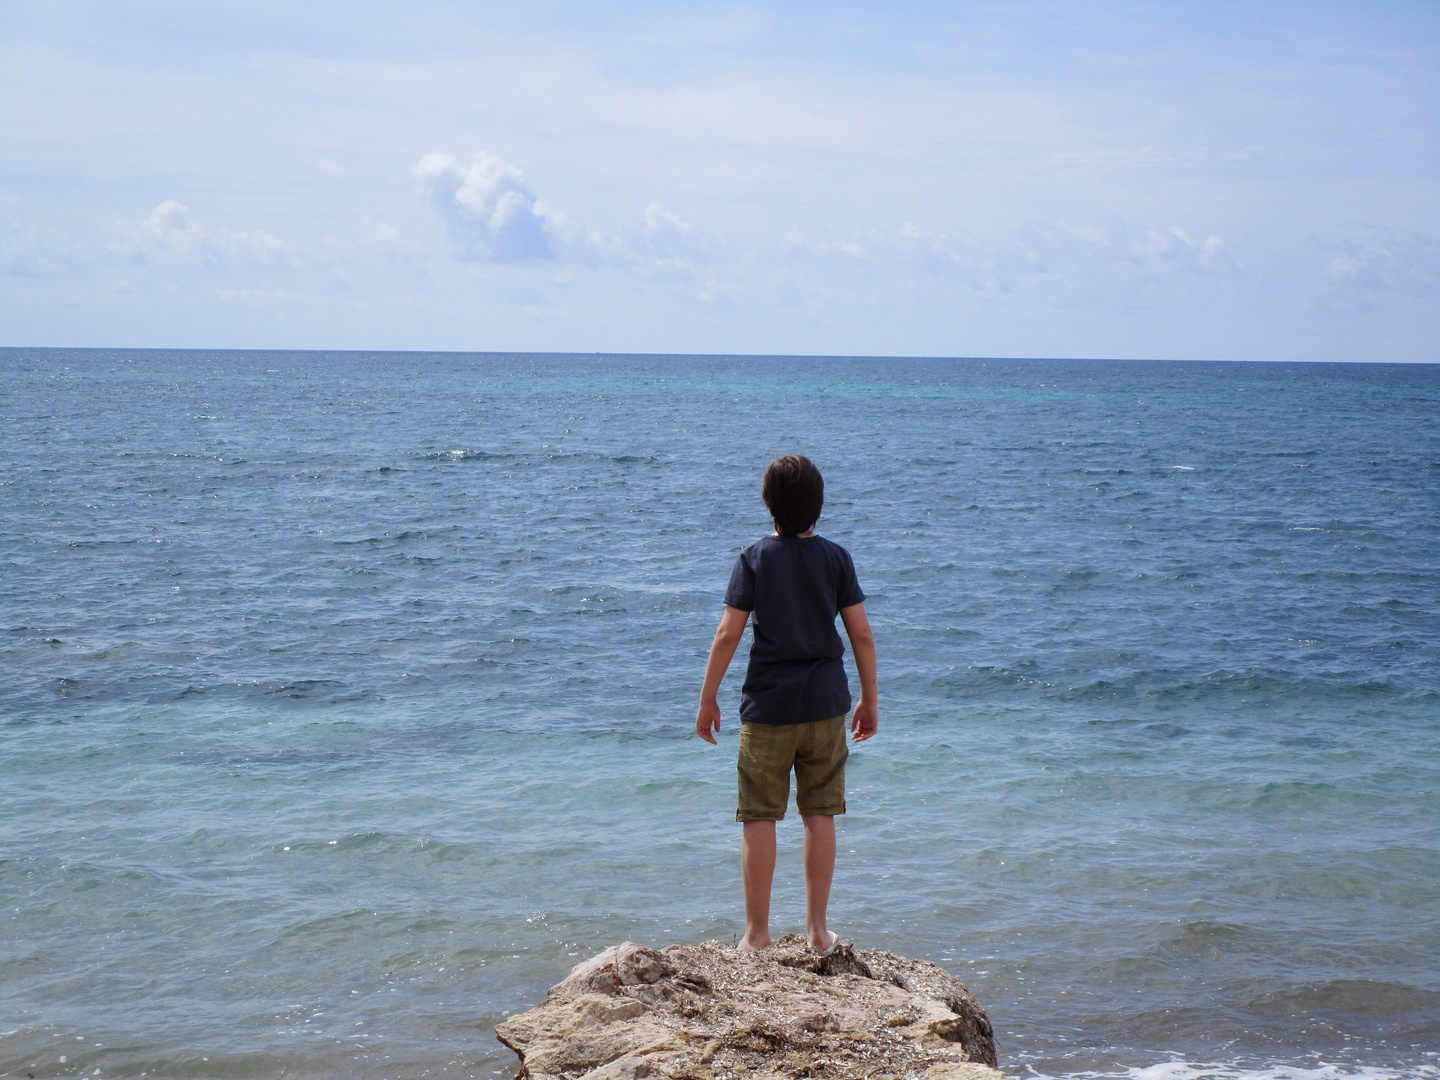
(707, 721)
(864, 722)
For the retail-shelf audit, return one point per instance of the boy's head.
(794, 492)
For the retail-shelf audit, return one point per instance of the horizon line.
(702, 355)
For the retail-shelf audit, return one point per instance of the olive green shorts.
(817, 753)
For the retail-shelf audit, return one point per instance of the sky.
(1253, 181)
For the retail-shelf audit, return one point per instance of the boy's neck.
(797, 536)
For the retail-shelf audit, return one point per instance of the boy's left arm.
(722, 651)
(866, 719)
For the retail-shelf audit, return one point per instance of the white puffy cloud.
(170, 236)
(495, 216)
(488, 207)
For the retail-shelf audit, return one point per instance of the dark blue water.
(347, 698)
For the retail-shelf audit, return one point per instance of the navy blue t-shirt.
(793, 588)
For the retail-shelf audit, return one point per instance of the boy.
(795, 697)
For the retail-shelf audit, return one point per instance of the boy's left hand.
(865, 722)
(707, 721)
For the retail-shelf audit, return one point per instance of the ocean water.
(347, 699)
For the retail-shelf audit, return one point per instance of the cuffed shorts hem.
(803, 814)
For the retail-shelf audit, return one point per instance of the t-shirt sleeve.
(740, 593)
(849, 593)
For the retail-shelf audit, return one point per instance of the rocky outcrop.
(706, 1012)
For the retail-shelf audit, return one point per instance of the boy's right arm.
(866, 719)
(722, 651)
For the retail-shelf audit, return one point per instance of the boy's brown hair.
(794, 492)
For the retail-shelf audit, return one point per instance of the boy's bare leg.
(819, 873)
(757, 864)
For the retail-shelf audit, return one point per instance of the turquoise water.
(348, 699)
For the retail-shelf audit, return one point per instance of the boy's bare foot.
(746, 945)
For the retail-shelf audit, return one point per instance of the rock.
(707, 1012)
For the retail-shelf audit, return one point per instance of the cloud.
(172, 237)
(495, 216)
(1124, 247)
(795, 242)
(1390, 260)
(1063, 262)
(39, 253)
(488, 207)
(1129, 248)
(667, 237)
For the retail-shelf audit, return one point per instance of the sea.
(347, 699)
